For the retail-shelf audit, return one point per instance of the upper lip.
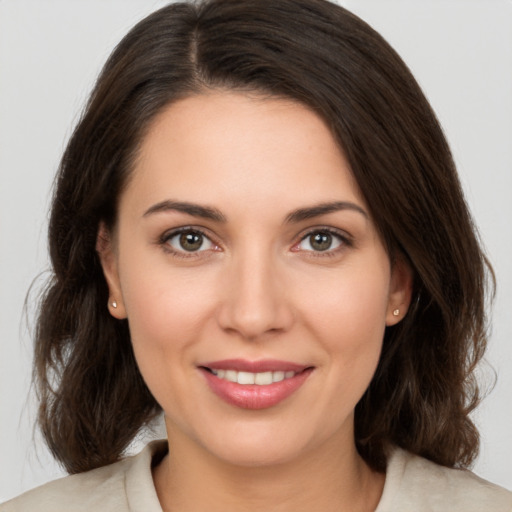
(263, 365)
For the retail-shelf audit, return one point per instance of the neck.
(332, 477)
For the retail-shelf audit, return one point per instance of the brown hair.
(93, 400)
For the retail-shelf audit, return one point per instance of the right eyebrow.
(195, 210)
(324, 209)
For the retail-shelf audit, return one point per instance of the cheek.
(350, 305)
(348, 315)
(167, 313)
(349, 323)
(166, 309)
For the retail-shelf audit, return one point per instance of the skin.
(256, 289)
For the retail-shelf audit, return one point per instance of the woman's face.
(255, 284)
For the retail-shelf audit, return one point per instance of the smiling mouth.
(254, 385)
(247, 378)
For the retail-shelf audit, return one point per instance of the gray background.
(50, 53)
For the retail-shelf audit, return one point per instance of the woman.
(258, 230)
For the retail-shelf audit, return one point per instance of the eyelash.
(169, 235)
(343, 238)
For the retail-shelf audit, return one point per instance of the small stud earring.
(114, 304)
(396, 312)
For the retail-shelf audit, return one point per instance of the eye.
(189, 241)
(320, 241)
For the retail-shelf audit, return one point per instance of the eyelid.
(164, 238)
(343, 236)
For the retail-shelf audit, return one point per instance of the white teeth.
(231, 375)
(245, 378)
(261, 379)
(277, 376)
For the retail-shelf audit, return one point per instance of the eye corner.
(295, 246)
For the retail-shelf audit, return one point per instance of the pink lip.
(253, 396)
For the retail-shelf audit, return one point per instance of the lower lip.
(253, 396)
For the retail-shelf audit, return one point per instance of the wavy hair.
(93, 400)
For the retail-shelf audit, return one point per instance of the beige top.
(412, 484)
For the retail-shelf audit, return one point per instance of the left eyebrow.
(323, 209)
(192, 209)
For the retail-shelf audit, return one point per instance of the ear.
(400, 291)
(108, 259)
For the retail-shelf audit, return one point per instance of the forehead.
(224, 145)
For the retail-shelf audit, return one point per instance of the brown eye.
(190, 241)
(320, 241)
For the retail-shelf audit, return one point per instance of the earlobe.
(400, 291)
(108, 260)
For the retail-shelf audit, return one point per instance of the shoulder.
(85, 491)
(125, 485)
(414, 483)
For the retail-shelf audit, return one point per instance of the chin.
(256, 446)
(257, 456)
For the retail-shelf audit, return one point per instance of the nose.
(254, 299)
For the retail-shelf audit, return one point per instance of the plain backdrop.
(50, 52)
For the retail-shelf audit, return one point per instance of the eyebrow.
(323, 209)
(195, 210)
(207, 212)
